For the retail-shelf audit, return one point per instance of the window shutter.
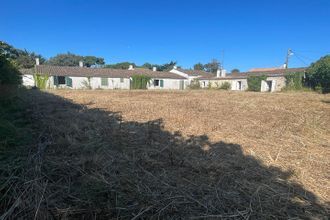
(104, 82)
(161, 83)
(68, 81)
(55, 80)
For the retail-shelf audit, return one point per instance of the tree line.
(317, 75)
(26, 59)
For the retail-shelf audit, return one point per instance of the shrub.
(140, 81)
(40, 80)
(254, 82)
(294, 81)
(9, 74)
(87, 83)
(225, 86)
(194, 84)
(318, 75)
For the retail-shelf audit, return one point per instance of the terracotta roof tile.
(98, 72)
(244, 75)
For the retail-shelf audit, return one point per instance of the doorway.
(269, 85)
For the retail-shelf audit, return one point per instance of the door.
(269, 85)
(181, 84)
(239, 85)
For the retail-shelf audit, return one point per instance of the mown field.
(171, 155)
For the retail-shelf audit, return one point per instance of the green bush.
(254, 82)
(41, 80)
(294, 81)
(140, 81)
(318, 75)
(194, 84)
(9, 74)
(225, 86)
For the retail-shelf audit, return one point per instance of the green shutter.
(68, 81)
(55, 80)
(161, 83)
(104, 82)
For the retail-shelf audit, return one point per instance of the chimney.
(175, 67)
(130, 67)
(37, 61)
(154, 69)
(218, 73)
(81, 64)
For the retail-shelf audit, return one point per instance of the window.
(156, 82)
(61, 80)
(104, 82)
(121, 80)
(68, 81)
(161, 83)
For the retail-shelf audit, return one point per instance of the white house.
(100, 78)
(275, 80)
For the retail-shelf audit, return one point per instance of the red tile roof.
(98, 72)
(244, 75)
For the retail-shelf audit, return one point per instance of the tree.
(199, 66)
(9, 74)
(70, 59)
(22, 58)
(167, 66)
(93, 61)
(235, 71)
(213, 66)
(318, 74)
(147, 66)
(163, 67)
(122, 65)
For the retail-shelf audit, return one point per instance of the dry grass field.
(172, 155)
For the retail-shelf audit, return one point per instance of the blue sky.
(251, 33)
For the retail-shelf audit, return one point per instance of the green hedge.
(9, 74)
(254, 82)
(294, 81)
(140, 81)
(41, 80)
(225, 86)
(194, 84)
(318, 75)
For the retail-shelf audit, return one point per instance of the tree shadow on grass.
(90, 164)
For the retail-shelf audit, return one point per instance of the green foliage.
(254, 82)
(213, 66)
(70, 59)
(9, 74)
(87, 83)
(294, 81)
(22, 58)
(148, 66)
(318, 75)
(209, 85)
(164, 67)
(122, 65)
(140, 81)
(198, 66)
(194, 84)
(41, 80)
(225, 86)
(235, 71)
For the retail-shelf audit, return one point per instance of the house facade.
(100, 78)
(274, 82)
(176, 79)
